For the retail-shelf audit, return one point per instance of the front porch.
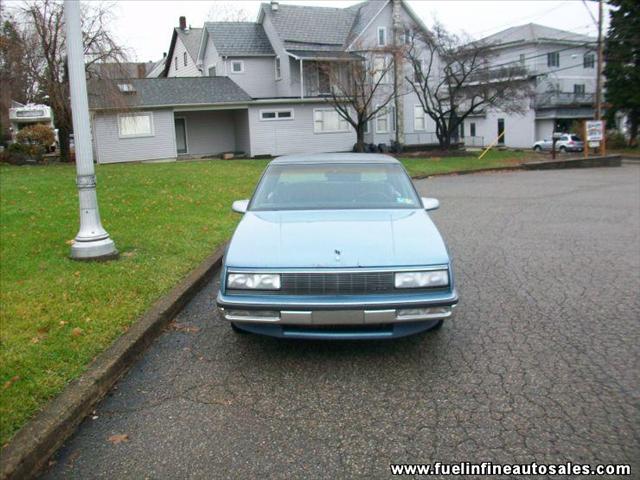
(211, 132)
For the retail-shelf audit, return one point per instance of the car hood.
(337, 239)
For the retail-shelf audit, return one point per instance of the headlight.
(253, 281)
(434, 278)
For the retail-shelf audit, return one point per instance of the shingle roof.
(317, 25)
(365, 12)
(191, 40)
(239, 38)
(533, 32)
(165, 92)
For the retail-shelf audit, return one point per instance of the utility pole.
(398, 70)
(599, 68)
(92, 241)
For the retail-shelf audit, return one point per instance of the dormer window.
(382, 36)
(126, 88)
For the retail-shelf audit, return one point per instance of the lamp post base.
(104, 249)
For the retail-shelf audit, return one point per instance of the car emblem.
(337, 252)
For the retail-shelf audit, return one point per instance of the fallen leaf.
(11, 381)
(35, 340)
(181, 327)
(118, 438)
(63, 323)
(77, 273)
(70, 242)
(76, 332)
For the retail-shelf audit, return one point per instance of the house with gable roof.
(256, 88)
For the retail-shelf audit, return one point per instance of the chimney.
(183, 23)
(142, 70)
(274, 6)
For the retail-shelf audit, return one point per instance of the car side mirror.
(240, 206)
(430, 203)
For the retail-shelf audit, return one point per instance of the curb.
(590, 162)
(34, 443)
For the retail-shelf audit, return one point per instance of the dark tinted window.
(334, 186)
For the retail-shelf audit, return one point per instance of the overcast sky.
(145, 26)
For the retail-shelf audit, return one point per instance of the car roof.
(317, 158)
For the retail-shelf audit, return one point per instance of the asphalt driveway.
(541, 362)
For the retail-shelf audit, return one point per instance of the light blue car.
(336, 246)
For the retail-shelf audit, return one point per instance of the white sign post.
(595, 133)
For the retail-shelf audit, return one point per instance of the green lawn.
(430, 166)
(56, 314)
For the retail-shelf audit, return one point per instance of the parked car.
(568, 142)
(336, 246)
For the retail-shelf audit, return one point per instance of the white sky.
(145, 26)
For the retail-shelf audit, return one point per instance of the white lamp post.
(92, 241)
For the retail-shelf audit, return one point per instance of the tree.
(453, 79)
(360, 88)
(622, 63)
(45, 55)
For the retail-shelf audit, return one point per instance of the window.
(578, 89)
(382, 121)
(501, 131)
(366, 127)
(461, 130)
(553, 59)
(135, 125)
(212, 71)
(184, 58)
(407, 36)
(522, 59)
(392, 118)
(418, 118)
(324, 78)
(176, 63)
(327, 120)
(278, 72)
(269, 115)
(589, 60)
(382, 36)
(237, 66)
(379, 69)
(124, 88)
(472, 129)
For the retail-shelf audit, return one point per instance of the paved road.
(540, 364)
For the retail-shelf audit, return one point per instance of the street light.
(92, 241)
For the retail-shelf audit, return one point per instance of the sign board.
(557, 135)
(595, 131)
(594, 144)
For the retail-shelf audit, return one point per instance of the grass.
(56, 314)
(430, 166)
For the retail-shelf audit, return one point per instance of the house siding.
(243, 134)
(294, 136)
(258, 79)
(110, 148)
(284, 87)
(190, 70)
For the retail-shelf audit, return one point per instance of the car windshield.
(334, 186)
(575, 138)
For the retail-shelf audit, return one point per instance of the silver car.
(568, 142)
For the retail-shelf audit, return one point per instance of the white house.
(255, 88)
(562, 66)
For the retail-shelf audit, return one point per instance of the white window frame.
(384, 32)
(186, 137)
(277, 111)
(591, 63)
(417, 107)
(382, 114)
(347, 125)
(366, 127)
(238, 62)
(380, 75)
(143, 135)
(277, 67)
(184, 58)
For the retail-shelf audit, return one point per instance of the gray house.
(254, 88)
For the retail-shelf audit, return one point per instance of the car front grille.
(348, 283)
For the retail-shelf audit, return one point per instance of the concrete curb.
(590, 162)
(34, 443)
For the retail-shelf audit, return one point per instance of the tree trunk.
(360, 138)
(63, 139)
